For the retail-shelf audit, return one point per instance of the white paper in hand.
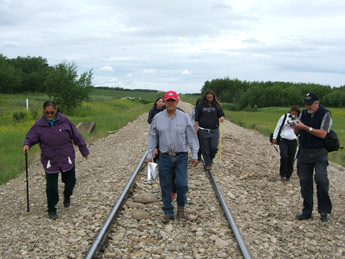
(151, 171)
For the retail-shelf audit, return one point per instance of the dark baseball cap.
(310, 98)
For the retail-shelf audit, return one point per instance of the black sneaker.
(303, 216)
(323, 217)
(53, 215)
(66, 202)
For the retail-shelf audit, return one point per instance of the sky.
(178, 45)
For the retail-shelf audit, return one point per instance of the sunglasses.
(51, 113)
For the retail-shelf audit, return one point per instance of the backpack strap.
(281, 126)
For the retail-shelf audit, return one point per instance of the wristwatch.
(310, 129)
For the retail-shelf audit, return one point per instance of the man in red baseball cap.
(174, 131)
(171, 95)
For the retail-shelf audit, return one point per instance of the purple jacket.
(56, 143)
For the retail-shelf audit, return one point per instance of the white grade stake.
(27, 103)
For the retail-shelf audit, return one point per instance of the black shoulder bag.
(331, 141)
(278, 137)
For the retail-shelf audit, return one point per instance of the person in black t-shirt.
(207, 117)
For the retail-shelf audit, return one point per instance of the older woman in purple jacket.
(56, 135)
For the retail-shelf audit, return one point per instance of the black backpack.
(280, 129)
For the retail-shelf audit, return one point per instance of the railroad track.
(133, 228)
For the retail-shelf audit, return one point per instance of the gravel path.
(263, 207)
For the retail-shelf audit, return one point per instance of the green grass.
(265, 120)
(110, 114)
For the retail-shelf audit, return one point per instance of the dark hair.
(198, 101)
(49, 103)
(214, 101)
(295, 108)
(154, 104)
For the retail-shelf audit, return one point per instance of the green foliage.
(245, 95)
(66, 89)
(34, 70)
(19, 116)
(10, 77)
(24, 115)
(226, 90)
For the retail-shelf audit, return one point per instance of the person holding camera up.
(288, 141)
(313, 127)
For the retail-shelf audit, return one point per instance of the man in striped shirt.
(174, 131)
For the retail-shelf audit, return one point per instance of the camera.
(292, 121)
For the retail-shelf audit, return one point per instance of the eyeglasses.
(51, 112)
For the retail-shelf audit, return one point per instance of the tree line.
(245, 95)
(33, 74)
(63, 84)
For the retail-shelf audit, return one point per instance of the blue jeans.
(167, 165)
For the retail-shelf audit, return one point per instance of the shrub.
(19, 116)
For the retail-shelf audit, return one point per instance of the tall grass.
(11, 157)
(265, 120)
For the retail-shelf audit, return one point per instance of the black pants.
(287, 157)
(308, 161)
(52, 191)
(208, 140)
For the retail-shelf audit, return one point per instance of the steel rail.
(233, 226)
(103, 232)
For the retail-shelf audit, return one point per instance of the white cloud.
(106, 68)
(185, 72)
(149, 71)
(149, 46)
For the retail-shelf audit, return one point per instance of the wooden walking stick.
(27, 182)
(220, 148)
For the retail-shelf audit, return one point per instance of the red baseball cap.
(170, 95)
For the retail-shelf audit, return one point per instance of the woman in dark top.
(158, 106)
(207, 116)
